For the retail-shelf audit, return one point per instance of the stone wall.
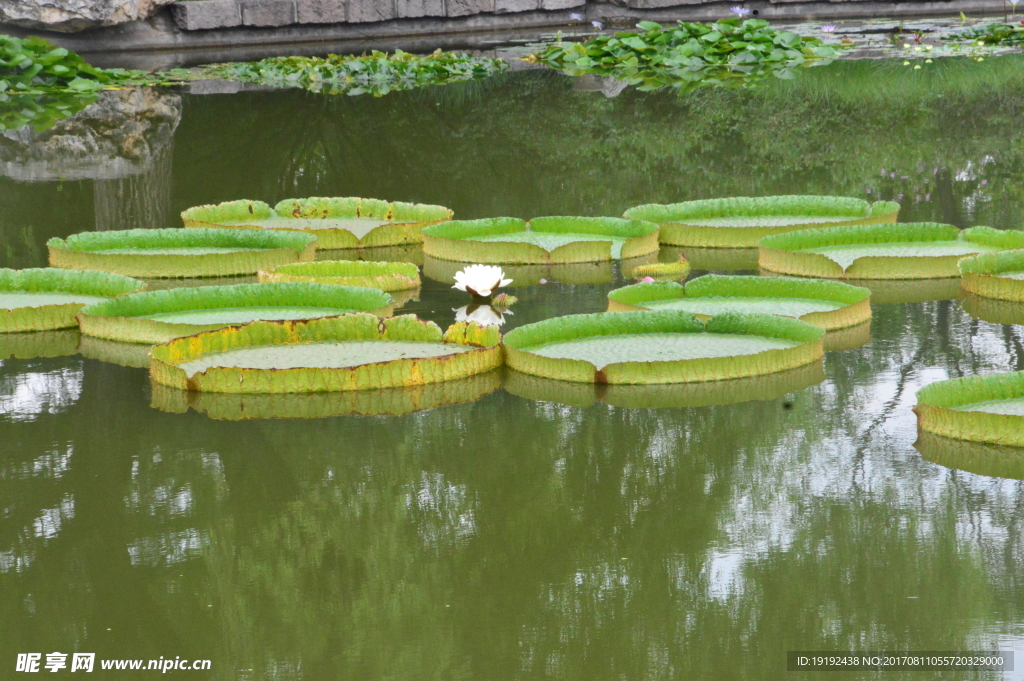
(195, 15)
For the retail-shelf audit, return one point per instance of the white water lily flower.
(484, 315)
(481, 280)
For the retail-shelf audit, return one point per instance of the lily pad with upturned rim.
(977, 408)
(921, 250)
(169, 253)
(995, 275)
(325, 355)
(739, 222)
(386, 276)
(541, 240)
(337, 222)
(827, 304)
(48, 298)
(158, 316)
(667, 346)
(380, 402)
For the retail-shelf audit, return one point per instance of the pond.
(514, 532)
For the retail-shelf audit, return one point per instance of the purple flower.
(984, 181)
(597, 24)
(928, 197)
(646, 280)
(576, 17)
(867, 190)
(739, 11)
(829, 28)
(884, 172)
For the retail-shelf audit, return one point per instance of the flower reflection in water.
(484, 315)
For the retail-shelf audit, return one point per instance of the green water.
(657, 347)
(772, 221)
(550, 242)
(512, 539)
(358, 226)
(1010, 407)
(712, 305)
(845, 255)
(181, 250)
(321, 355)
(241, 315)
(10, 300)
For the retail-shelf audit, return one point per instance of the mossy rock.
(49, 298)
(915, 250)
(827, 304)
(976, 408)
(337, 222)
(386, 276)
(158, 316)
(540, 241)
(162, 253)
(739, 222)
(350, 352)
(667, 346)
(995, 275)
(379, 402)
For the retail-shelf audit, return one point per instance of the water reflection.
(974, 457)
(484, 315)
(32, 344)
(992, 310)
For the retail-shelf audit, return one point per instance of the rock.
(370, 10)
(501, 6)
(320, 11)
(462, 8)
(117, 136)
(70, 16)
(419, 8)
(268, 12)
(196, 16)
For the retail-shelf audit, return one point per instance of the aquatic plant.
(667, 395)
(377, 73)
(991, 34)
(667, 346)
(922, 250)
(378, 402)
(48, 298)
(731, 52)
(995, 275)
(180, 252)
(350, 352)
(541, 240)
(827, 304)
(480, 280)
(337, 222)
(739, 222)
(978, 408)
(41, 111)
(157, 316)
(675, 271)
(386, 276)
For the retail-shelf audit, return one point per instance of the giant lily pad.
(667, 346)
(33, 344)
(541, 240)
(163, 253)
(917, 250)
(351, 352)
(337, 222)
(740, 222)
(828, 304)
(158, 316)
(386, 276)
(980, 458)
(977, 408)
(383, 401)
(49, 298)
(666, 396)
(995, 275)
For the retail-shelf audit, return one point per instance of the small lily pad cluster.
(992, 34)
(377, 73)
(731, 52)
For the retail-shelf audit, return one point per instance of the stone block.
(409, 9)
(503, 6)
(561, 4)
(199, 15)
(370, 10)
(320, 11)
(463, 8)
(267, 12)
